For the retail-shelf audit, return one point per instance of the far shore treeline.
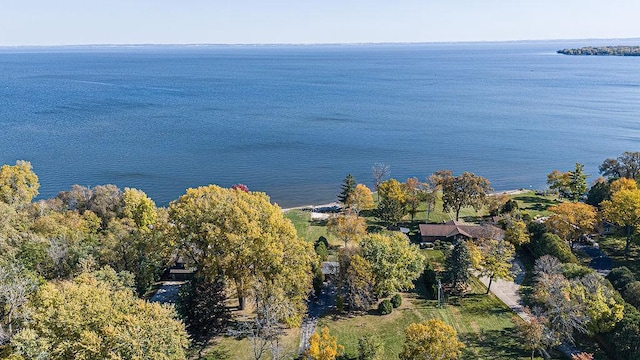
(603, 51)
(78, 271)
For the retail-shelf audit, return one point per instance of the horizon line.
(308, 44)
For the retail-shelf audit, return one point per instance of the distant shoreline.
(602, 51)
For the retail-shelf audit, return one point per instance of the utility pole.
(439, 293)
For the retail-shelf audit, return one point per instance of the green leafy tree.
(599, 192)
(624, 210)
(348, 187)
(395, 262)
(360, 284)
(431, 339)
(18, 183)
(139, 208)
(457, 267)
(516, 233)
(571, 184)
(625, 166)
(603, 309)
(202, 306)
(496, 260)
(461, 191)
(370, 347)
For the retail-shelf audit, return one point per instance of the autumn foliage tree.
(18, 183)
(571, 221)
(91, 318)
(461, 191)
(624, 210)
(323, 346)
(361, 199)
(347, 227)
(243, 237)
(431, 339)
(392, 198)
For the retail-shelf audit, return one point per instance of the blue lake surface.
(292, 121)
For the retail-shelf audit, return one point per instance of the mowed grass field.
(484, 324)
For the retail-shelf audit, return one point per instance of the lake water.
(294, 120)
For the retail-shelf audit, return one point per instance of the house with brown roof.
(456, 230)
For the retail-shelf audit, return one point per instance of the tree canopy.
(395, 262)
(89, 318)
(431, 339)
(624, 210)
(18, 183)
(460, 191)
(242, 236)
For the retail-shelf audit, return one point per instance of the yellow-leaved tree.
(18, 183)
(431, 339)
(361, 199)
(97, 317)
(570, 221)
(347, 227)
(624, 210)
(323, 346)
(241, 236)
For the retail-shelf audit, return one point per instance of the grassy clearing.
(307, 229)
(230, 348)
(535, 205)
(482, 321)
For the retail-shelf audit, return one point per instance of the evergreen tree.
(578, 183)
(457, 267)
(348, 187)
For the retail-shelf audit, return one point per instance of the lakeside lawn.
(484, 324)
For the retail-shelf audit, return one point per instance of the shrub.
(551, 244)
(396, 301)
(632, 293)
(620, 277)
(574, 271)
(385, 307)
(370, 347)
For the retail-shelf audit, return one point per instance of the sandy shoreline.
(335, 203)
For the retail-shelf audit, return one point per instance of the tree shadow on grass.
(217, 353)
(493, 344)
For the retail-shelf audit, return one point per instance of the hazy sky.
(59, 22)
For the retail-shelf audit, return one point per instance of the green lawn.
(230, 348)
(307, 229)
(484, 324)
(535, 205)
